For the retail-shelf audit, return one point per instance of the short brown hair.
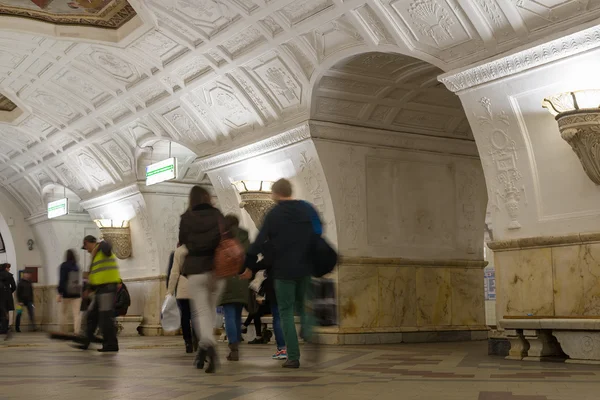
(198, 195)
(282, 188)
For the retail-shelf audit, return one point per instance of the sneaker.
(280, 355)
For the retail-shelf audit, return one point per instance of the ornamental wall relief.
(503, 153)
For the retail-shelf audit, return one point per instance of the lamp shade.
(245, 186)
(111, 223)
(571, 102)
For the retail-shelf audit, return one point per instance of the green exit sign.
(161, 171)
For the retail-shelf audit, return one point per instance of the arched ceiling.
(389, 91)
(216, 74)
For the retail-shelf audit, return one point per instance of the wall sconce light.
(578, 117)
(256, 198)
(117, 233)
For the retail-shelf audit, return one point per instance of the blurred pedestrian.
(235, 295)
(25, 300)
(200, 232)
(290, 228)
(69, 292)
(103, 279)
(177, 285)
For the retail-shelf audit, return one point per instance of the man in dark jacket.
(290, 228)
(7, 288)
(123, 301)
(25, 299)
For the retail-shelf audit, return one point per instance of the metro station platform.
(33, 367)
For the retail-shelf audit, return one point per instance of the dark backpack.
(325, 257)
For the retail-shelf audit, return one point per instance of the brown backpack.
(229, 255)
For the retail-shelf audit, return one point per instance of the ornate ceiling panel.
(216, 74)
(108, 14)
(6, 104)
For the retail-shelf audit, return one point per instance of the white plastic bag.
(170, 318)
(258, 281)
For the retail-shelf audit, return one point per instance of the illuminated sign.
(161, 171)
(58, 208)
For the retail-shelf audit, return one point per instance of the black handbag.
(325, 258)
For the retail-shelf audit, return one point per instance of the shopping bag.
(170, 318)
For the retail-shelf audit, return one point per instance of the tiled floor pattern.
(33, 367)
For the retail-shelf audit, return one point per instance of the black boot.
(195, 342)
(234, 355)
(189, 347)
(200, 358)
(212, 360)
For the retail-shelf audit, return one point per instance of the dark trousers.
(101, 312)
(262, 310)
(186, 319)
(30, 311)
(3, 319)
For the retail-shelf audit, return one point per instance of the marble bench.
(576, 339)
(127, 325)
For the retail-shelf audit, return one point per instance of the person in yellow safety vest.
(103, 278)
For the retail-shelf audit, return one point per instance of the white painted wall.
(16, 236)
(54, 237)
(402, 203)
(556, 196)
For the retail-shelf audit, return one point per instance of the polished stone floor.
(33, 367)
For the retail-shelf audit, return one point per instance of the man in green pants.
(288, 232)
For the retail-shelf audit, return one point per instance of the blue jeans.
(233, 322)
(279, 338)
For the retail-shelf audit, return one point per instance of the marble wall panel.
(467, 297)
(397, 296)
(576, 278)
(524, 282)
(358, 296)
(434, 296)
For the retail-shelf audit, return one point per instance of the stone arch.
(409, 196)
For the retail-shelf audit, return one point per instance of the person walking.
(177, 286)
(103, 279)
(235, 295)
(69, 292)
(200, 231)
(11, 299)
(290, 228)
(7, 288)
(25, 299)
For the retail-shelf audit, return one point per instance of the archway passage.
(392, 92)
(409, 197)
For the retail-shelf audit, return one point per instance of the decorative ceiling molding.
(111, 197)
(285, 139)
(389, 139)
(503, 66)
